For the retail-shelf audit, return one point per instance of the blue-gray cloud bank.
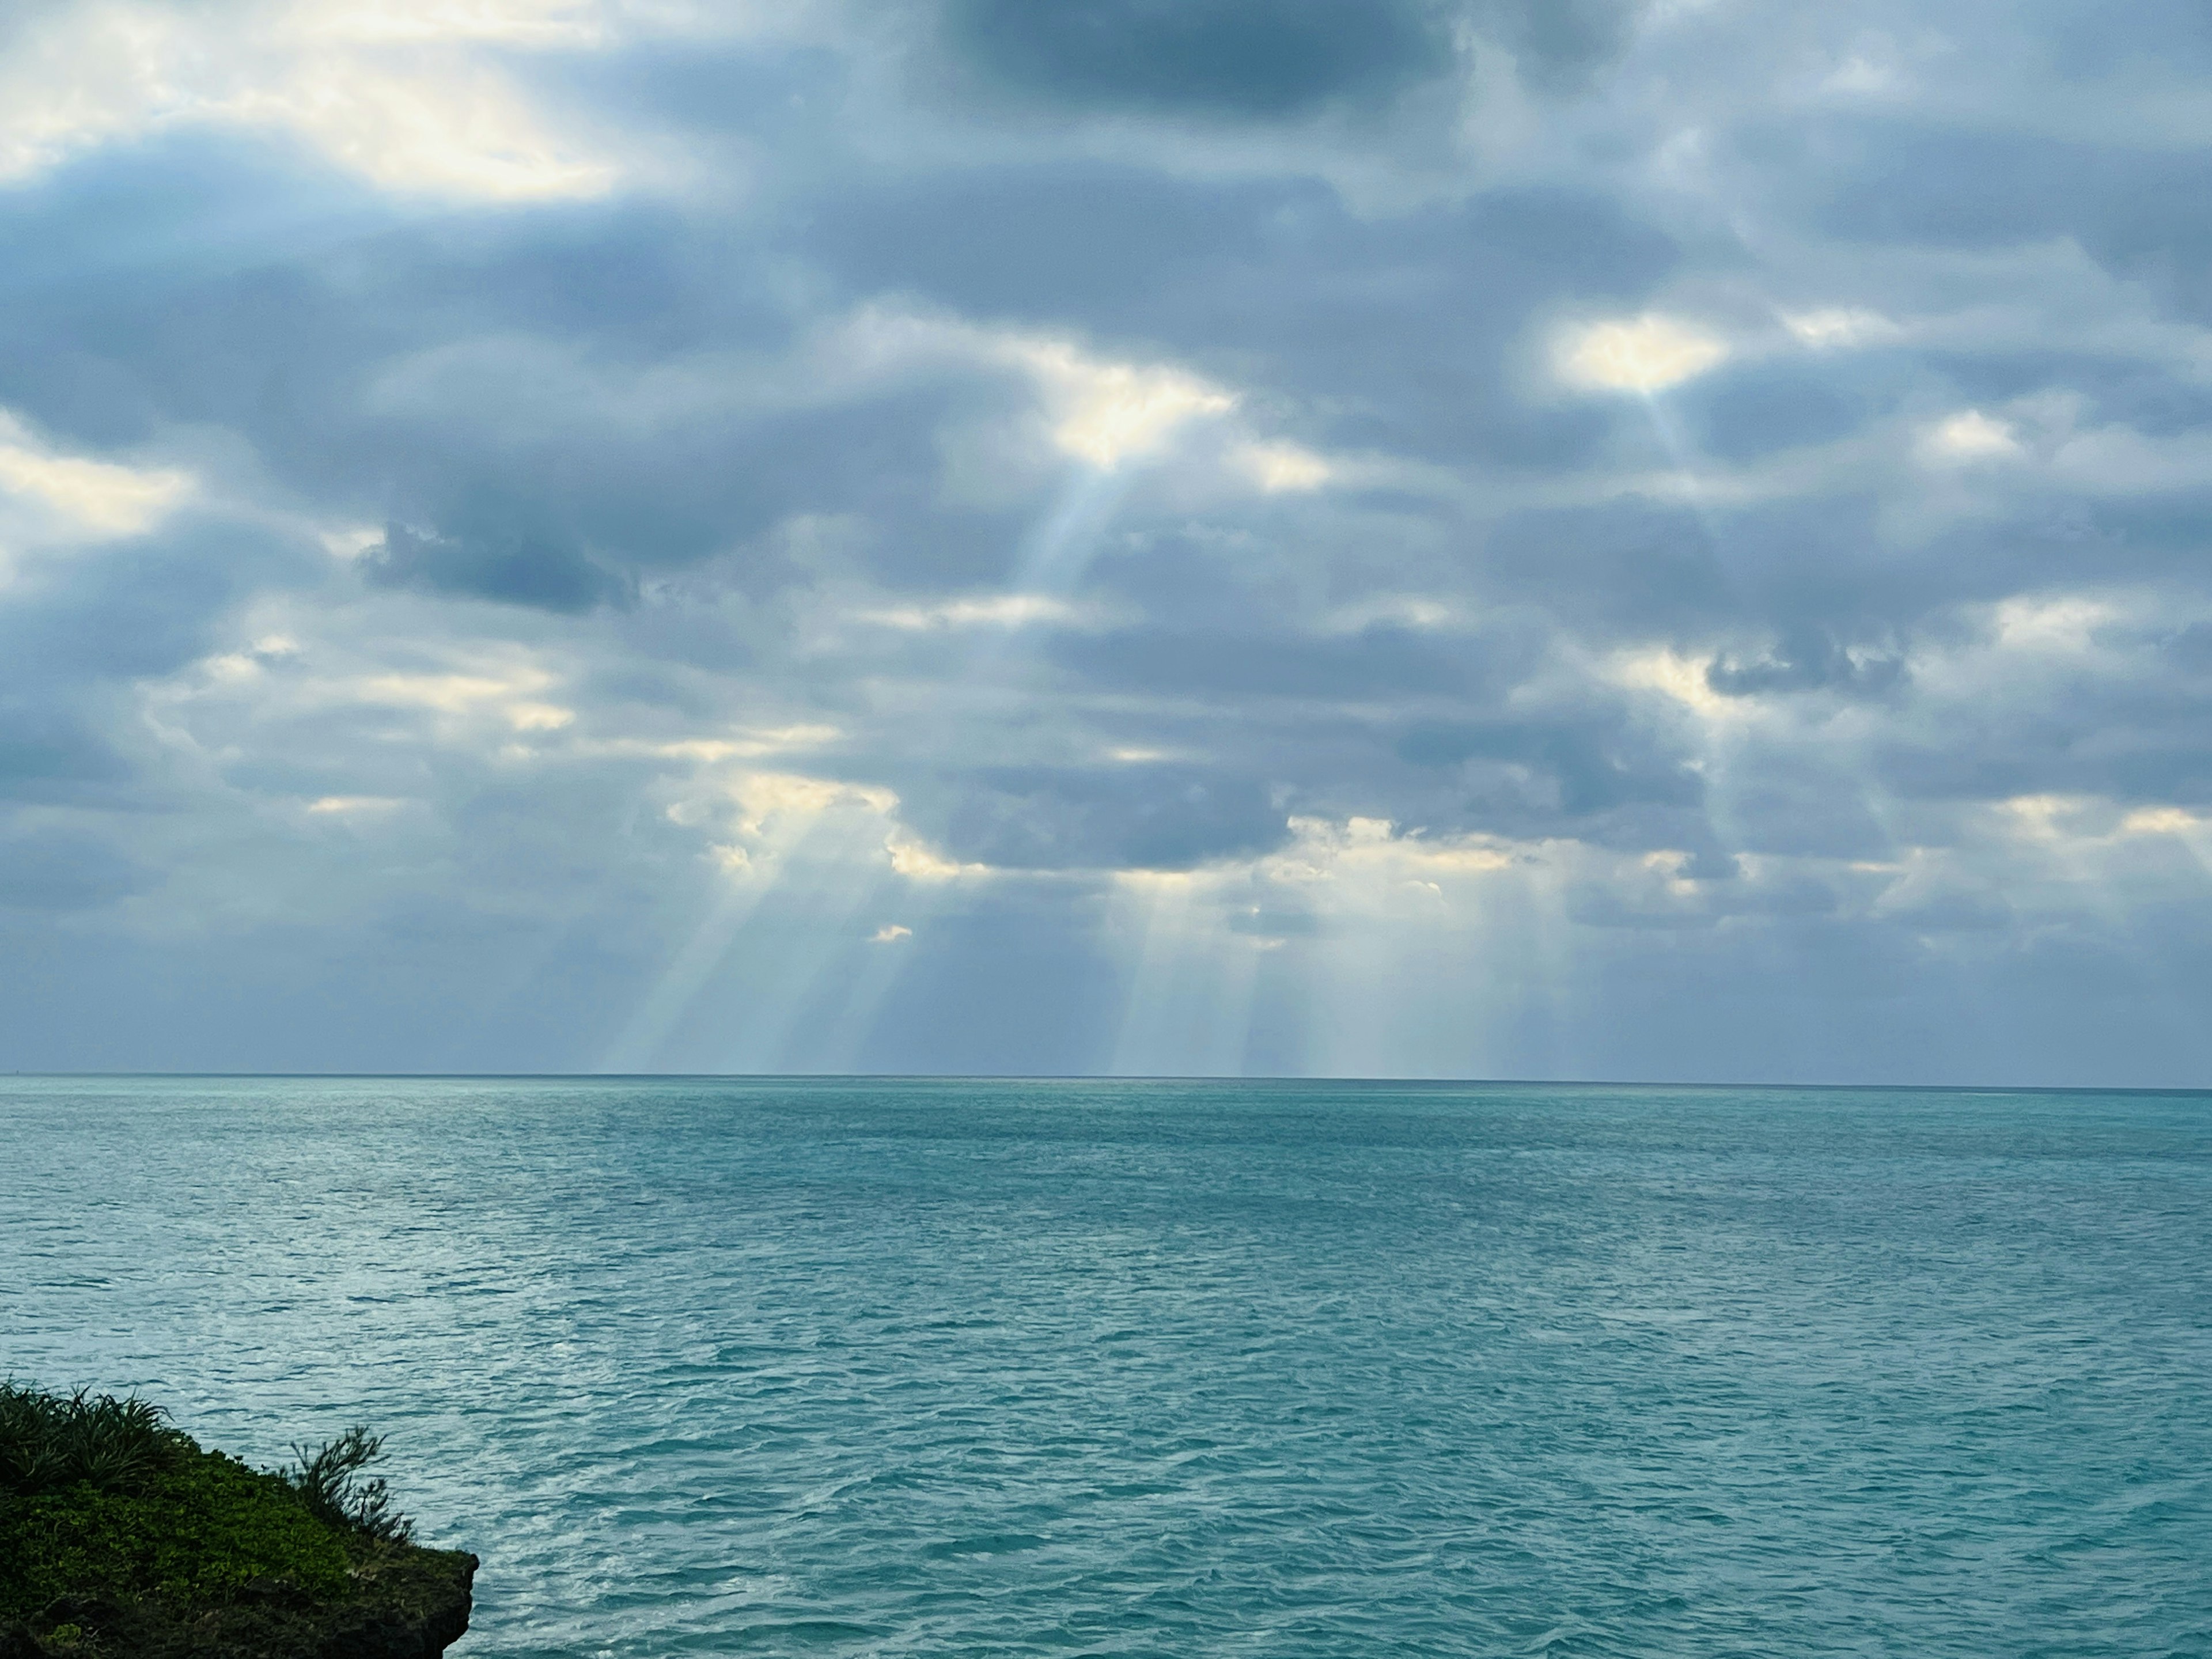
(1444, 536)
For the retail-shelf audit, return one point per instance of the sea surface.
(846, 1367)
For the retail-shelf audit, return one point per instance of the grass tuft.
(329, 1483)
(52, 1441)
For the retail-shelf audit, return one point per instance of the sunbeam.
(1188, 1006)
(687, 973)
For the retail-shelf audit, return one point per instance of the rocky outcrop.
(406, 1603)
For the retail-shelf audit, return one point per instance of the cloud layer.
(1596, 540)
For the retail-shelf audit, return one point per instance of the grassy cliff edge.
(119, 1534)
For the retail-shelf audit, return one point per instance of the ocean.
(927, 1367)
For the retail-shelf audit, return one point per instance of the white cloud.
(506, 22)
(1102, 410)
(1681, 677)
(353, 806)
(917, 861)
(507, 696)
(744, 744)
(889, 933)
(352, 541)
(388, 91)
(1969, 436)
(2065, 622)
(1106, 412)
(1641, 354)
(1862, 75)
(1413, 610)
(983, 610)
(460, 131)
(87, 497)
(768, 800)
(1281, 467)
(2162, 821)
(1838, 327)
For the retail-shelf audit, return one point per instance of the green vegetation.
(117, 1532)
(329, 1484)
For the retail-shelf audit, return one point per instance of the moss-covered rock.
(200, 1532)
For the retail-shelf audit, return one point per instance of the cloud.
(1224, 59)
(546, 570)
(52, 867)
(1281, 467)
(988, 610)
(1472, 538)
(1835, 328)
(1107, 413)
(389, 92)
(1970, 435)
(79, 496)
(1644, 354)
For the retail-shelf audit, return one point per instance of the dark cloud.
(1812, 660)
(54, 748)
(1237, 58)
(1743, 416)
(1584, 765)
(508, 563)
(55, 869)
(1153, 817)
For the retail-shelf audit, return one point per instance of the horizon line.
(1102, 1077)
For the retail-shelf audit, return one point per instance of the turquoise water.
(893, 1368)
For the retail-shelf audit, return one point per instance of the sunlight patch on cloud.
(462, 133)
(2063, 623)
(388, 91)
(987, 610)
(351, 542)
(539, 716)
(1969, 436)
(1643, 354)
(507, 695)
(889, 933)
(1107, 413)
(917, 861)
(776, 811)
(574, 23)
(1683, 679)
(745, 745)
(1864, 75)
(2044, 817)
(1103, 411)
(1414, 611)
(1281, 468)
(2162, 821)
(768, 799)
(277, 678)
(96, 498)
(353, 806)
(1839, 328)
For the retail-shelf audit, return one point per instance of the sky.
(1524, 538)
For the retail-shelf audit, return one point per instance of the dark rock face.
(409, 1604)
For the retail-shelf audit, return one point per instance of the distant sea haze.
(866, 1367)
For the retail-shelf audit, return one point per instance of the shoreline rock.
(412, 1603)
